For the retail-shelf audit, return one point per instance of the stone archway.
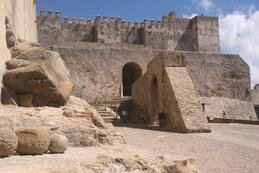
(130, 73)
(154, 99)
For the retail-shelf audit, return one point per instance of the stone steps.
(108, 116)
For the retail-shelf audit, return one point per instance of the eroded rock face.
(58, 143)
(33, 141)
(137, 164)
(80, 129)
(8, 142)
(39, 78)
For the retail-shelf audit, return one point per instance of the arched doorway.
(154, 100)
(130, 73)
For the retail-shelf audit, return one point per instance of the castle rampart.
(199, 34)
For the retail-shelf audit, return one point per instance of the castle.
(199, 34)
(110, 59)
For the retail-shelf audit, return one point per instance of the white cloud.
(239, 33)
(206, 5)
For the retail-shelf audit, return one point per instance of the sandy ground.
(230, 148)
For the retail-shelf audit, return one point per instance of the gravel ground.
(230, 148)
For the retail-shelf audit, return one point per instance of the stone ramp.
(188, 114)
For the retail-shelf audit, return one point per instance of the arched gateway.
(130, 73)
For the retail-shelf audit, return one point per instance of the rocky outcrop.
(33, 141)
(58, 143)
(117, 159)
(8, 142)
(38, 77)
(20, 25)
(137, 164)
(79, 129)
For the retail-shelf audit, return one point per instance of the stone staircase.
(107, 114)
(105, 110)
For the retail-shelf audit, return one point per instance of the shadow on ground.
(142, 126)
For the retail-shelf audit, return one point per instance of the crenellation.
(66, 20)
(170, 33)
(98, 20)
(42, 13)
(49, 17)
(74, 20)
(105, 19)
(58, 17)
(82, 21)
(112, 19)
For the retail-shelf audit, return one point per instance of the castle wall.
(22, 15)
(199, 34)
(207, 34)
(219, 75)
(255, 95)
(255, 99)
(96, 69)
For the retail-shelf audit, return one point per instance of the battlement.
(56, 18)
(170, 33)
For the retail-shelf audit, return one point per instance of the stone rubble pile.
(30, 141)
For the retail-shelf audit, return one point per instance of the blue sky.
(137, 10)
(238, 19)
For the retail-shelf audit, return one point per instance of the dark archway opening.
(257, 110)
(130, 73)
(155, 100)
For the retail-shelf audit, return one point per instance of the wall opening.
(257, 110)
(131, 72)
(155, 100)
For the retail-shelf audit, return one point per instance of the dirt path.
(230, 148)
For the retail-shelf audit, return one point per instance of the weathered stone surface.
(224, 108)
(167, 96)
(77, 107)
(255, 99)
(219, 75)
(80, 129)
(22, 16)
(40, 73)
(8, 142)
(8, 97)
(183, 100)
(58, 143)
(33, 140)
(116, 159)
(22, 47)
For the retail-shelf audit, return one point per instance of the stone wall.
(22, 17)
(221, 92)
(169, 90)
(219, 75)
(199, 34)
(96, 69)
(255, 95)
(255, 99)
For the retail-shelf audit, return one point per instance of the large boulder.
(38, 77)
(33, 141)
(8, 142)
(58, 143)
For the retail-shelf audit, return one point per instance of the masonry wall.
(255, 95)
(199, 34)
(219, 75)
(96, 69)
(22, 15)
